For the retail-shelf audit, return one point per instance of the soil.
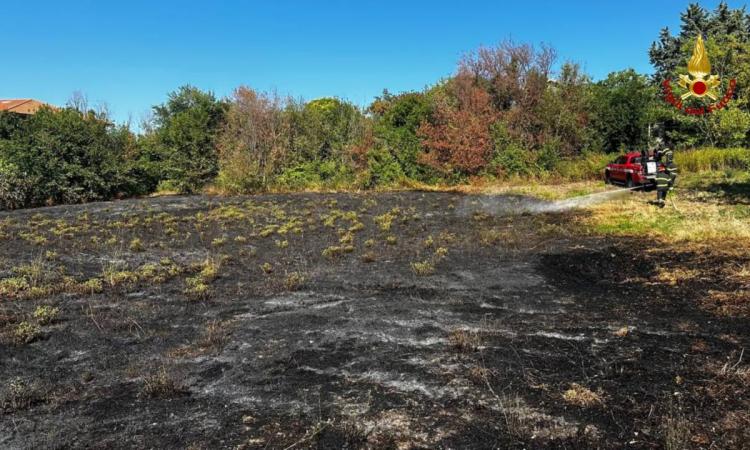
(323, 327)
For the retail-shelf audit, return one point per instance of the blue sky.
(130, 54)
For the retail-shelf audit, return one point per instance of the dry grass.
(368, 257)
(516, 422)
(694, 222)
(731, 304)
(19, 394)
(294, 281)
(676, 429)
(493, 236)
(736, 370)
(136, 245)
(464, 341)
(550, 191)
(675, 275)
(161, 384)
(622, 331)
(267, 268)
(212, 341)
(581, 396)
(479, 375)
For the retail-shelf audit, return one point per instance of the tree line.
(508, 110)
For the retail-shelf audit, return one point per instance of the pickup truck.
(627, 170)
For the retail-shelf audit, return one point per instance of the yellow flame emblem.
(699, 67)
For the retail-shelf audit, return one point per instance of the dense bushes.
(63, 156)
(253, 143)
(267, 141)
(14, 187)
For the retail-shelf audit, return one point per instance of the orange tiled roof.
(23, 106)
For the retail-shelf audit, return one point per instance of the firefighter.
(662, 186)
(666, 157)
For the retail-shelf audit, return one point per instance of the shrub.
(383, 168)
(66, 156)
(316, 175)
(732, 125)
(513, 160)
(14, 187)
(586, 167)
(25, 333)
(46, 314)
(423, 268)
(300, 177)
(548, 156)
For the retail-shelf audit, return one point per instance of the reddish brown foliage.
(251, 144)
(459, 135)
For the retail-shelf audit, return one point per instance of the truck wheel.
(629, 182)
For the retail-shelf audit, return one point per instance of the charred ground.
(398, 320)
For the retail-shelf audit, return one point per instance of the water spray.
(510, 205)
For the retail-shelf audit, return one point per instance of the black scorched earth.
(398, 320)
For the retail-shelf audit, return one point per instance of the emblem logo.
(699, 67)
(699, 83)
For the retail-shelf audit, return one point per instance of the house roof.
(23, 105)
(9, 105)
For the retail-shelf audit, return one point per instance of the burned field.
(398, 320)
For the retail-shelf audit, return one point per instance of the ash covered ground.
(392, 320)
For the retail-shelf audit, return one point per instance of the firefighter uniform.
(672, 172)
(671, 167)
(666, 157)
(662, 187)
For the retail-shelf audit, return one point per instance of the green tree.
(622, 104)
(731, 126)
(325, 140)
(565, 111)
(185, 129)
(397, 119)
(325, 129)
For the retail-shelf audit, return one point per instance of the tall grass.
(710, 159)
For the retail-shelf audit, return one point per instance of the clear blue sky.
(130, 54)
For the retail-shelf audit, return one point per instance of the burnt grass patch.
(300, 321)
